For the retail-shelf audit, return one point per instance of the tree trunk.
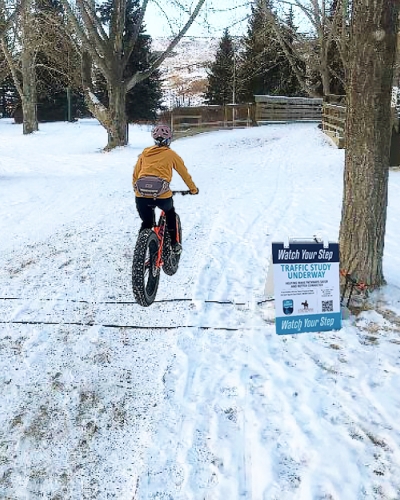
(30, 122)
(28, 57)
(117, 130)
(113, 117)
(325, 77)
(368, 132)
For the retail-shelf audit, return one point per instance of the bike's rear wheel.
(170, 259)
(145, 274)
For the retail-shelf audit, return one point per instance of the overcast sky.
(216, 15)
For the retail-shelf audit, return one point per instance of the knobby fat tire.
(145, 286)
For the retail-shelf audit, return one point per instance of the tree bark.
(368, 132)
(30, 123)
(28, 56)
(117, 132)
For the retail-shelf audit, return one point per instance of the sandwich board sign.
(306, 286)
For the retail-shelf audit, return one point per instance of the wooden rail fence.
(287, 109)
(196, 118)
(265, 109)
(334, 118)
(334, 123)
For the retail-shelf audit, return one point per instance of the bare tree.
(28, 70)
(368, 131)
(328, 20)
(58, 61)
(21, 61)
(109, 51)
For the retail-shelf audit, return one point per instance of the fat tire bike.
(153, 252)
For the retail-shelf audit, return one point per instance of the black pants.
(145, 208)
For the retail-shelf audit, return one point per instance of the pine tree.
(145, 99)
(265, 68)
(9, 97)
(289, 84)
(221, 73)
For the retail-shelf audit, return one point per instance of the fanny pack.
(152, 186)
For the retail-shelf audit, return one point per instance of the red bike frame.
(160, 232)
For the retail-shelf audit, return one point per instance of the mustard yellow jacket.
(159, 161)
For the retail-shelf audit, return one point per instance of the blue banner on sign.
(311, 323)
(304, 253)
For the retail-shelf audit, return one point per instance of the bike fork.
(160, 232)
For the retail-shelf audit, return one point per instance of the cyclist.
(154, 168)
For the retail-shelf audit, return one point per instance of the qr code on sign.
(327, 306)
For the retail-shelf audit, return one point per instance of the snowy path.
(195, 397)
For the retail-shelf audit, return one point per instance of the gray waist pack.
(152, 186)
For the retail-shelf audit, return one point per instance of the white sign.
(306, 287)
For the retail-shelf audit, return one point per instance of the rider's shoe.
(177, 248)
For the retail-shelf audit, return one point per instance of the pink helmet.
(162, 134)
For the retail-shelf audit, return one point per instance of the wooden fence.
(334, 118)
(197, 118)
(266, 109)
(287, 109)
(334, 123)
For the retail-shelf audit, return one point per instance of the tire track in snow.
(236, 238)
(201, 432)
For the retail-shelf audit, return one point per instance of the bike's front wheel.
(145, 273)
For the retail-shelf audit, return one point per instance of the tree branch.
(93, 36)
(91, 12)
(140, 76)
(282, 42)
(86, 42)
(135, 33)
(12, 66)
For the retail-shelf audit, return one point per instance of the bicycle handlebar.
(181, 192)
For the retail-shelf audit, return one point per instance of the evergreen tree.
(8, 93)
(145, 99)
(265, 68)
(221, 73)
(289, 84)
(9, 98)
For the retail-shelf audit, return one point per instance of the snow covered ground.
(191, 398)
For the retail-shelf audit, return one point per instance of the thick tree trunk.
(117, 130)
(368, 132)
(113, 117)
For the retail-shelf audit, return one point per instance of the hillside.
(184, 73)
